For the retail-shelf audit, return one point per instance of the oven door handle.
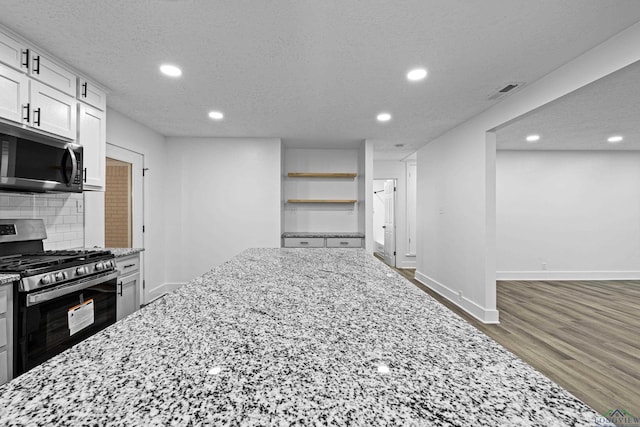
(48, 295)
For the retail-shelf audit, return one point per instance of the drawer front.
(337, 242)
(4, 297)
(298, 242)
(128, 265)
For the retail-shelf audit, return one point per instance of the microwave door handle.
(74, 165)
(40, 297)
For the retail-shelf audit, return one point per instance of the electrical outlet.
(79, 206)
(544, 265)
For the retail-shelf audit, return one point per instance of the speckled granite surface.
(291, 337)
(8, 278)
(323, 234)
(122, 252)
(118, 252)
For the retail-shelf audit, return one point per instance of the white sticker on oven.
(80, 316)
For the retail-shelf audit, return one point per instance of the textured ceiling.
(584, 119)
(309, 71)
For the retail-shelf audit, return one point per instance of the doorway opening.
(384, 220)
(124, 203)
(118, 227)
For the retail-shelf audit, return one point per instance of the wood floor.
(584, 335)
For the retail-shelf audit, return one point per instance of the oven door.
(38, 163)
(55, 319)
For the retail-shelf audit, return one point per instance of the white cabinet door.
(127, 295)
(47, 71)
(14, 94)
(13, 53)
(52, 110)
(92, 135)
(89, 93)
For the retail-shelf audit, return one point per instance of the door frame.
(395, 226)
(136, 159)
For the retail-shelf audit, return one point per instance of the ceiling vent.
(506, 89)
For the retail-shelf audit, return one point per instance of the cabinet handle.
(25, 58)
(84, 175)
(344, 243)
(28, 112)
(36, 64)
(304, 243)
(36, 121)
(120, 292)
(129, 266)
(84, 89)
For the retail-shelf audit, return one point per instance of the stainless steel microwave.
(34, 162)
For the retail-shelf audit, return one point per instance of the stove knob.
(59, 276)
(45, 280)
(80, 271)
(99, 266)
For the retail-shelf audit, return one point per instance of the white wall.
(456, 182)
(221, 197)
(126, 133)
(398, 170)
(321, 217)
(568, 215)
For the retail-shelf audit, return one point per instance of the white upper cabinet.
(13, 53)
(52, 111)
(14, 95)
(91, 94)
(92, 136)
(47, 71)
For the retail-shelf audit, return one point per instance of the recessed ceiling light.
(399, 145)
(384, 117)
(614, 139)
(216, 115)
(533, 138)
(417, 74)
(170, 70)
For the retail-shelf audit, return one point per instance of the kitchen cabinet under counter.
(322, 240)
(6, 326)
(129, 287)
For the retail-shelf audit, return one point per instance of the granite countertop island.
(291, 337)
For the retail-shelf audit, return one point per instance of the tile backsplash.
(63, 215)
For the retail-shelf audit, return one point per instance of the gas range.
(22, 252)
(39, 270)
(62, 297)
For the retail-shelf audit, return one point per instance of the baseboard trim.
(172, 286)
(406, 264)
(161, 290)
(482, 314)
(568, 275)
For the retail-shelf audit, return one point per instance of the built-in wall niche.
(320, 190)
